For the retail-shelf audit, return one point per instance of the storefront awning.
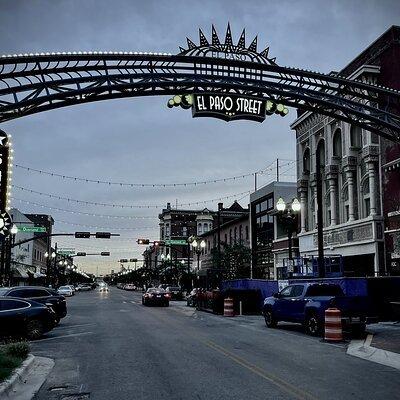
(19, 272)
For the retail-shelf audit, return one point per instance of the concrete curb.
(18, 375)
(363, 349)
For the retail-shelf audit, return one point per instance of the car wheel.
(57, 321)
(34, 329)
(270, 321)
(313, 326)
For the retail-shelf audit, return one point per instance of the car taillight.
(167, 295)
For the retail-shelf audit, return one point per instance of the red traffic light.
(133, 260)
(159, 243)
(82, 235)
(143, 241)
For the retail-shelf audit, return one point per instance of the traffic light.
(81, 254)
(103, 235)
(159, 243)
(133, 260)
(143, 241)
(105, 253)
(82, 235)
(123, 260)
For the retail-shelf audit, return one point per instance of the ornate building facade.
(355, 184)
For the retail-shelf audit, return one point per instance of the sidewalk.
(386, 336)
(382, 345)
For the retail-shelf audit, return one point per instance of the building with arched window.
(359, 174)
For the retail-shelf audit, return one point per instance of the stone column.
(350, 188)
(333, 196)
(303, 211)
(372, 187)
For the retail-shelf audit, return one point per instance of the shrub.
(19, 349)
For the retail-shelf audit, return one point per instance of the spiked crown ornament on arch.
(227, 49)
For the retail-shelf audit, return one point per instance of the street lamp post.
(198, 247)
(288, 214)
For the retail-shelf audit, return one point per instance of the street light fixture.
(288, 214)
(198, 248)
(14, 230)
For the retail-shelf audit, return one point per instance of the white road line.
(62, 336)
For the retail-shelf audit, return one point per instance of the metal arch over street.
(32, 83)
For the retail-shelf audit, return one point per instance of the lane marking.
(62, 337)
(280, 383)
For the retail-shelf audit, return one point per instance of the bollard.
(228, 307)
(240, 308)
(333, 325)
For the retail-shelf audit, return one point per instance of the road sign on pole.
(31, 229)
(175, 241)
(66, 251)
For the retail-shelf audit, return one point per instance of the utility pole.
(255, 181)
(277, 169)
(220, 205)
(320, 223)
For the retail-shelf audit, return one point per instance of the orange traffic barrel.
(333, 325)
(228, 307)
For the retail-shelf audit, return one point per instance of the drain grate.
(76, 396)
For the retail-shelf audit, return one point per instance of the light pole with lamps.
(198, 248)
(288, 214)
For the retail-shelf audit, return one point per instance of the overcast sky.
(141, 140)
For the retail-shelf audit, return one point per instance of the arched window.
(321, 152)
(306, 160)
(366, 198)
(337, 143)
(230, 236)
(240, 234)
(247, 232)
(205, 228)
(355, 137)
(199, 229)
(235, 234)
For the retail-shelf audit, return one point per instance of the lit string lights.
(270, 169)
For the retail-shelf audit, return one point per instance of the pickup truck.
(306, 303)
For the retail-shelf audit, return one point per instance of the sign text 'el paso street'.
(228, 107)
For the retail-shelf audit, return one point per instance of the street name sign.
(228, 107)
(32, 229)
(175, 241)
(66, 251)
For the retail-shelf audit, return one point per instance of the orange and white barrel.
(228, 307)
(333, 325)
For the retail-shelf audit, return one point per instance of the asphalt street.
(111, 347)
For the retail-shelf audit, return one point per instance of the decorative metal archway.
(32, 83)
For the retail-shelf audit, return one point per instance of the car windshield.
(155, 290)
(3, 291)
(174, 288)
(64, 288)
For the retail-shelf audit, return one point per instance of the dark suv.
(40, 294)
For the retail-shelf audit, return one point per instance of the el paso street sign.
(228, 107)
(175, 241)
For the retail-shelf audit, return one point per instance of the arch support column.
(372, 187)
(350, 189)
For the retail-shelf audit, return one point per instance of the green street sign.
(66, 251)
(27, 228)
(175, 241)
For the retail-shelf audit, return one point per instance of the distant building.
(361, 174)
(269, 241)
(178, 225)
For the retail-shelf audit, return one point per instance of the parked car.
(103, 287)
(156, 296)
(25, 318)
(306, 303)
(129, 286)
(175, 292)
(43, 295)
(65, 291)
(165, 285)
(191, 298)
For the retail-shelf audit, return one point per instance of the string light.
(106, 228)
(270, 168)
(123, 205)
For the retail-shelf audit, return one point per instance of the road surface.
(111, 347)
